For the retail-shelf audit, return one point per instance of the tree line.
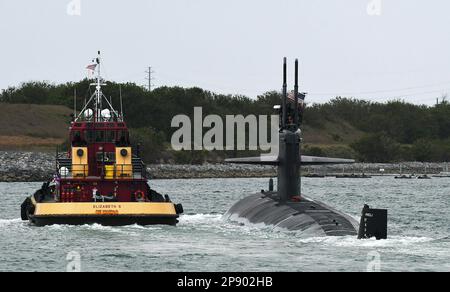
(393, 131)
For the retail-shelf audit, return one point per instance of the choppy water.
(419, 232)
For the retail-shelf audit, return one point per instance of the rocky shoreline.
(37, 167)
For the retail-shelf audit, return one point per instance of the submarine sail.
(287, 207)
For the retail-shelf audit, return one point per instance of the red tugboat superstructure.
(101, 179)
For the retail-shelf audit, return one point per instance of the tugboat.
(101, 179)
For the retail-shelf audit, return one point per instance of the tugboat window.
(100, 136)
(109, 157)
(89, 136)
(110, 136)
(122, 139)
(77, 141)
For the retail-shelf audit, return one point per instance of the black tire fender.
(26, 209)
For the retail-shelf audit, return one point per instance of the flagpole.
(98, 105)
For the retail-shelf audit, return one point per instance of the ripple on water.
(8, 222)
(349, 241)
(204, 240)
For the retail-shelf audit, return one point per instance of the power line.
(150, 78)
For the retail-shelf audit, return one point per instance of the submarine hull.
(307, 216)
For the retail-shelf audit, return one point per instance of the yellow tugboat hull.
(111, 214)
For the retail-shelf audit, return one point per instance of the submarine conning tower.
(290, 138)
(287, 207)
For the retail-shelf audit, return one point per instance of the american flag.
(291, 98)
(91, 67)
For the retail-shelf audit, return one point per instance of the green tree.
(151, 143)
(376, 148)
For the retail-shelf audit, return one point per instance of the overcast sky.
(236, 46)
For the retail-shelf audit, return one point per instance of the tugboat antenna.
(97, 113)
(284, 115)
(98, 102)
(121, 102)
(75, 103)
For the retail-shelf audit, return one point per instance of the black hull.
(104, 220)
(307, 216)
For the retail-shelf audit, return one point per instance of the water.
(203, 241)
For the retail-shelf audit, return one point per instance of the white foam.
(89, 227)
(310, 236)
(98, 227)
(221, 224)
(352, 241)
(57, 227)
(200, 219)
(142, 227)
(7, 222)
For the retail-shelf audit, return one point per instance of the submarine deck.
(309, 216)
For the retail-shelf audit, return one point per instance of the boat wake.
(197, 219)
(8, 222)
(244, 227)
(218, 223)
(101, 228)
(350, 241)
(236, 225)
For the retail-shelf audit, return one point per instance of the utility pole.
(149, 78)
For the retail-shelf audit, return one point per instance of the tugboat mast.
(97, 100)
(98, 91)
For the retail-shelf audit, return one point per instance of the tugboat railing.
(69, 170)
(124, 171)
(114, 171)
(66, 170)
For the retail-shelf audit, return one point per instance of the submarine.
(287, 207)
(101, 179)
